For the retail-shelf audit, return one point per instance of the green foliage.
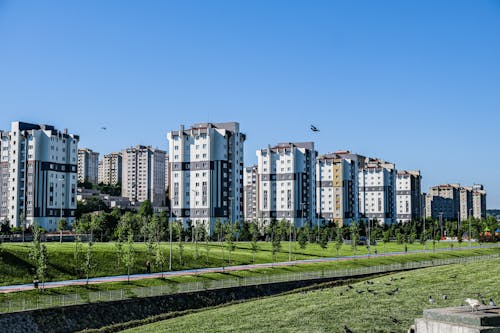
(88, 264)
(38, 255)
(129, 255)
(229, 229)
(302, 238)
(323, 239)
(146, 209)
(339, 242)
(254, 232)
(177, 225)
(353, 228)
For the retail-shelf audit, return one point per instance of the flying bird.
(103, 128)
(431, 300)
(395, 320)
(314, 128)
(473, 303)
(492, 302)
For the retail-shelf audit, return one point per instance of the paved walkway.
(118, 278)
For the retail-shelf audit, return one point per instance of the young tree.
(219, 230)
(88, 264)
(229, 231)
(180, 244)
(339, 242)
(386, 238)
(302, 238)
(323, 239)
(129, 255)
(254, 233)
(78, 255)
(62, 225)
(275, 240)
(354, 236)
(207, 243)
(38, 255)
(159, 258)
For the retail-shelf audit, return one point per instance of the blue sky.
(413, 82)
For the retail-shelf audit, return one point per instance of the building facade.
(110, 169)
(286, 183)
(250, 193)
(206, 173)
(443, 201)
(478, 201)
(88, 162)
(143, 174)
(408, 196)
(377, 191)
(39, 175)
(337, 189)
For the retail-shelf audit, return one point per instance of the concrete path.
(118, 278)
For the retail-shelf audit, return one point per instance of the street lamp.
(470, 222)
(62, 194)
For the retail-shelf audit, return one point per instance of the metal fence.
(46, 301)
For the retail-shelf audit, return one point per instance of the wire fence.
(48, 301)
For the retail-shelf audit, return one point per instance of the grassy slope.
(32, 295)
(328, 310)
(16, 267)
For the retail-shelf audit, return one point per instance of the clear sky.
(413, 82)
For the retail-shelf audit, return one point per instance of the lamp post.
(62, 195)
(170, 230)
(470, 222)
(369, 236)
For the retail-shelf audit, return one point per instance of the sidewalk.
(118, 278)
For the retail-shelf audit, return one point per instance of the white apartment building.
(110, 169)
(377, 191)
(166, 172)
(250, 193)
(337, 189)
(39, 175)
(206, 173)
(143, 174)
(88, 162)
(286, 183)
(408, 196)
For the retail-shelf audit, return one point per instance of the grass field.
(16, 267)
(32, 295)
(329, 309)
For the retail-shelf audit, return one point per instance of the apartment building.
(478, 201)
(206, 173)
(337, 189)
(110, 169)
(250, 193)
(286, 183)
(38, 175)
(377, 191)
(88, 162)
(443, 200)
(408, 196)
(143, 174)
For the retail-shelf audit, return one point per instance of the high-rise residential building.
(206, 173)
(408, 196)
(110, 169)
(443, 201)
(88, 162)
(337, 188)
(286, 183)
(478, 201)
(143, 174)
(465, 202)
(38, 174)
(377, 191)
(250, 193)
(453, 202)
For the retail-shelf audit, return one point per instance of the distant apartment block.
(408, 196)
(38, 170)
(444, 200)
(478, 201)
(88, 162)
(250, 193)
(377, 191)
(143, 174)
(286, 183)
(110, 169)
(206, 173)
(337, 189)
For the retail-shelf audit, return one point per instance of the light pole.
(441, 224)
(369, 239)
(290, 242)
(470, 222)
(170, 230)
(62, 194)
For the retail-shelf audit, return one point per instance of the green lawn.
(329, 309)
(16, 267)
(32, 295)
